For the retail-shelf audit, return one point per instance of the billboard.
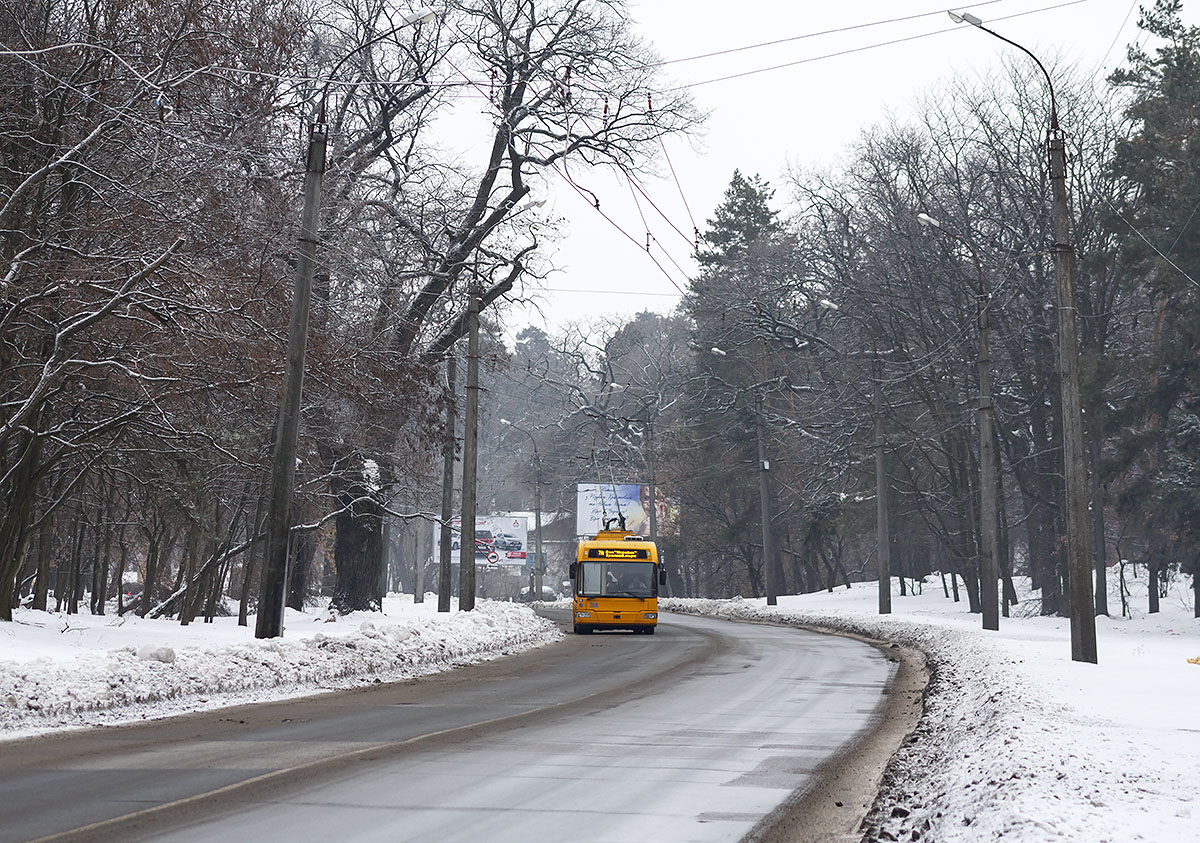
(500, 540)
(511, 536)
(596, 503)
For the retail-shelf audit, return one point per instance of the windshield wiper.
(626, 594)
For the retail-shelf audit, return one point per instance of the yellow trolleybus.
(615, 581)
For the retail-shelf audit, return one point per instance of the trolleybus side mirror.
(662, 576)
(574, 568)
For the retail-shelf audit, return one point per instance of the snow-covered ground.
(1018, 742)
(59, 670)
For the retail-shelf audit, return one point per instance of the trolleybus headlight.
(651, 616)
(583, 614)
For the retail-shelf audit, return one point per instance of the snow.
(59, 670)
(1018, 742)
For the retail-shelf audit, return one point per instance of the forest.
(152, 166)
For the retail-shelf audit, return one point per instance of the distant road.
(697, 733)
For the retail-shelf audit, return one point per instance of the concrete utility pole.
(273, 579)
(989, 515)
(538, 560)
(466, 547)
(652, 489)
(418, 571)
(989, 537)
(445, 584)
(1079, 551)
(1079, 556)
(653, 492)
(764, 491)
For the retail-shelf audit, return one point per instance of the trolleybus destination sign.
(617, 553)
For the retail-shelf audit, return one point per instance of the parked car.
(549, 595)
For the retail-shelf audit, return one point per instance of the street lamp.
(536, 574)
(989, 553)
(273, 579)
(1083, 618)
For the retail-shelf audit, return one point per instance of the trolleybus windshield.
(610, 578)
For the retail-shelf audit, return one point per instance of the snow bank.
(1018, 742)
(59, 670)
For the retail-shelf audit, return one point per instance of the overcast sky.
(806, 114)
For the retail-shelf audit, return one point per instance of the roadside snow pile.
(1017, 741)
(58, 670)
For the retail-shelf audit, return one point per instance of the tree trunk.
(41, 584)
(1060, 566)
(445, 572)
(157, 541)
(304, 547)
(1009, 595)
(972, 542)
(256, 543)
(14, 520)
(103, 559)
(1099, 556)
(119, 577)
(388, 558)
(1196, 592)
(187, 569)
(753, 572)
(77, 568)
(1152, 569)
(357, 549)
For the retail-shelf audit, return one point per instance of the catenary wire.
(861, 49)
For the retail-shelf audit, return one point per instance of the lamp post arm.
(1041, 67)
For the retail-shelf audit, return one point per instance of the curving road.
(695, 734)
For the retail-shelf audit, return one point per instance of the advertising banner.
(511, 533)
(596, 503)
(499, 540)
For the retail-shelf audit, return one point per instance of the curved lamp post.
(989, 550)
(273, 579)
(1083, 618)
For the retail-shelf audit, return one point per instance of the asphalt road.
(696, 733)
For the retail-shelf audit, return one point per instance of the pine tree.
(1160, 223)
(748, 268)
